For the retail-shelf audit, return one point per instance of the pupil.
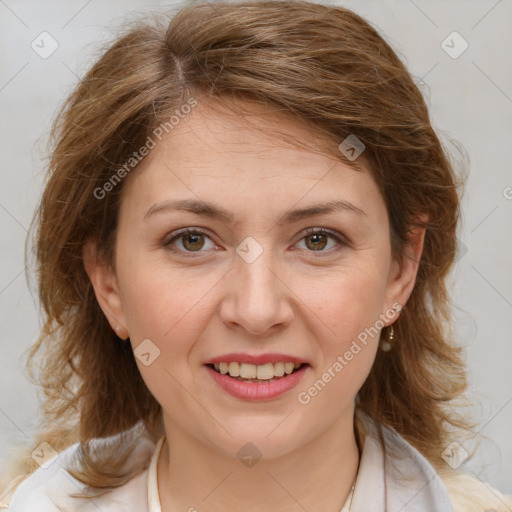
(194, 237)
(316, 237)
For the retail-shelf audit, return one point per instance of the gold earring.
(385, 345)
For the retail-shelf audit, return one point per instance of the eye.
(191, 240)
(318, 239)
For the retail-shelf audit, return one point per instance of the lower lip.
(257, 390)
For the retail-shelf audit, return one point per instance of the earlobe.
(104, 283)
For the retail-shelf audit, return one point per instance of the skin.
(305, 296)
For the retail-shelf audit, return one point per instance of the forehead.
(217, 153)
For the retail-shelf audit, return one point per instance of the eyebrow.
(212, 211)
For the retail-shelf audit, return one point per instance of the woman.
(242, 250)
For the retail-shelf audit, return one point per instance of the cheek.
(346, 301)
(160, 301)
(351, 309)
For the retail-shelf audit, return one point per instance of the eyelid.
(340, 237)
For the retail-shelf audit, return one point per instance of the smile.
(254, 373)
(256, 382)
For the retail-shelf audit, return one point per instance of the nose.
(257, 298)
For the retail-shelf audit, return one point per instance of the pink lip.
(257, 390)
(241, 357)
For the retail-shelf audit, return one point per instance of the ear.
(106, 289)
(402, 276)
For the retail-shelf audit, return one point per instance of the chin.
(263, 440)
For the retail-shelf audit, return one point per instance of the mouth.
(263, 373)
(253, 382)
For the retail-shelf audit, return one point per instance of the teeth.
(248, 371)
(288, 368)
(251, 371)
(265, 371)
(278, 369)
(234, 369)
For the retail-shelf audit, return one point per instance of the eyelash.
(340, 240)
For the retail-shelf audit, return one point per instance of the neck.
(316, 476)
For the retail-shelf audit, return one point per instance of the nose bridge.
(259, 298)
(258, 274)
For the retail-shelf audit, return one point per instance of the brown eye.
(317, 239)
(191, 240)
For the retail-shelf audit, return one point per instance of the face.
(259, 283)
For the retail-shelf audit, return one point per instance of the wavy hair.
(321, 65)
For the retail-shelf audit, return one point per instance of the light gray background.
(470, 98)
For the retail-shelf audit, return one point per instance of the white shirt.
(403, 481)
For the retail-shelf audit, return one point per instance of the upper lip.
(241, 357)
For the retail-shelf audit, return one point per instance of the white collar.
(153, 494)
(404, 480)
(407, 477)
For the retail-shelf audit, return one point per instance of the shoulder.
(408, 467)
(50, 487)
(469, 494)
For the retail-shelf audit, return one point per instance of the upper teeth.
(256, 371)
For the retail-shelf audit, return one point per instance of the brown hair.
(318, 64)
